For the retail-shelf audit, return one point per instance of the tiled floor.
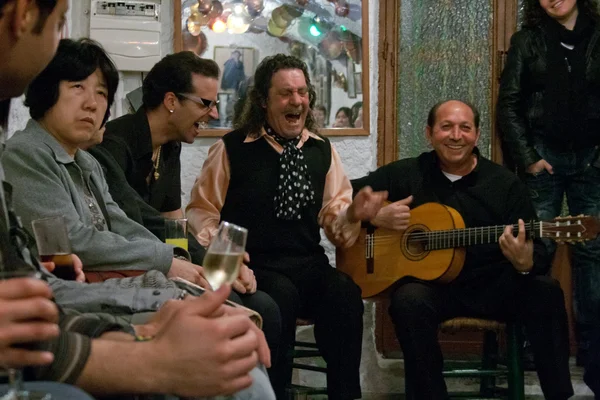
(384, 379)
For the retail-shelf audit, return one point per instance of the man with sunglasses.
(140, 157)
(179, 96)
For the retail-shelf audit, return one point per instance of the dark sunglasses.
(199, 100)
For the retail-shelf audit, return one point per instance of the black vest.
(254, 174)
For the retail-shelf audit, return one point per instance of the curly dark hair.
(254, 114)
(533, 13)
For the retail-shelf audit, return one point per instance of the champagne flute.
(16, 391)
(225, 254)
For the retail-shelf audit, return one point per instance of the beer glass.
(225, 254)
(176, 232)
(16, 389)
(54, 245)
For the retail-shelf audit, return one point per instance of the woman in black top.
(549, 117)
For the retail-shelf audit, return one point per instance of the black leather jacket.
(520, 114)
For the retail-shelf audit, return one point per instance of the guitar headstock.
(571, 229)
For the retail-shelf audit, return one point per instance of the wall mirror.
(331, 36)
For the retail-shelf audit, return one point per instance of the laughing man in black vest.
(276, 177)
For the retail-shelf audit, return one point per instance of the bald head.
(433, 113)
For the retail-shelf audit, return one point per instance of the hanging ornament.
(281, 18)
(274, 30)
(254, 7)
(238, 23)
(217, 25)
(297, 49)
(216, 9)
(331, 47)
(204, 6)
(341, 8)
(195, 22)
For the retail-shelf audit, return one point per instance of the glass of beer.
(225, 254)
(54, 245)
(176, 232)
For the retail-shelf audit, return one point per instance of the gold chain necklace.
(156, 162)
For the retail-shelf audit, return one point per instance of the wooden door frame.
(504, 25)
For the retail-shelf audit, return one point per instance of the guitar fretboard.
(452, 238)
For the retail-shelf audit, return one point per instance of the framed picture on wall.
(236, 64)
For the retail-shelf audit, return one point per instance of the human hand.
(394, 216)
(186, 270)
(246, 281)
(518, 250)
(26, 315)
(539, 166)
(264, 354)
(208, 353)
(366, 205)
(77, 266)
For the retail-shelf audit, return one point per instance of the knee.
(261, 387)
(410, 302)
(346, 294)
(264, 304)
(548, 291)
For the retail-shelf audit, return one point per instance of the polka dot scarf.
(294, 190)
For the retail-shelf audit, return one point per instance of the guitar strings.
(466, 232)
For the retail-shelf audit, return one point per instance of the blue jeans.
(576, 175)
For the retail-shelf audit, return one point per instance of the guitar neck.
(446, 239)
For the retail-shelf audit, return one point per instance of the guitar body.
(376, 267)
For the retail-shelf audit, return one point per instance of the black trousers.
(333, 301)
(417, 308)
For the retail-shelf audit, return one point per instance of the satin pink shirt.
(210, 189)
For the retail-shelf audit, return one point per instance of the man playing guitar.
(502, 280)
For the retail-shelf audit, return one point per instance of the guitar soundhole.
(413, 245)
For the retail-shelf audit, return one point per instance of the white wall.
(358, 153)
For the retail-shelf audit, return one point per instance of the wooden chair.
(490, 366)
(305, 350)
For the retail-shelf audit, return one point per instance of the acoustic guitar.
(433, 246)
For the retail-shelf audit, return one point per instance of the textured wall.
(357, 153)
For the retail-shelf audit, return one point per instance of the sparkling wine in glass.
(17, 390)
(225, 254)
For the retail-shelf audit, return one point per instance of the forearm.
(339, 227)
(173, 214)
(118, 367)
